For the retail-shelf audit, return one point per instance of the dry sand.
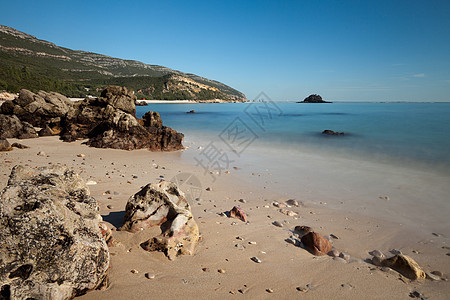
(360, 228)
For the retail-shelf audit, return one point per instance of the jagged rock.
(140, 103)
(109, 122)
(316, 243)
(331, 132)
(403, 264)
(12, 127)
(19, 146)
(51, 246)
(4, 145)
(238, 213)
(120, 98)
(46, 131)
(163, 204)
(38, 109)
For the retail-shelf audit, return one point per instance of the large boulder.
(110, 122)
(51, 246)
(39, 109)
(12, 127)
(164, 205)
(314, 98)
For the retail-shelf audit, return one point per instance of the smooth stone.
(437, 273)
(256, 260)
(344, 256)
(292, 202)
(270, 291)
(301, 289)
(339, 259)
(432, 276)
(239, 246)
(41, 153)
(278, 224)
(149, 275)
(242, 201)
(333, 253)
(252, 243)
(134, 271)
(334, 236)
(396, 252)
(377, 253)
(221, 271)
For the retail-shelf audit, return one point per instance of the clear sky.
(343, 50)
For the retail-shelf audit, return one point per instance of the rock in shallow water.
(51, 246)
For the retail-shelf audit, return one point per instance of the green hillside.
(27, 62)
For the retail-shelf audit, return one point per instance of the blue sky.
(342, 50)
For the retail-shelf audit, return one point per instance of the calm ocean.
(412, 134)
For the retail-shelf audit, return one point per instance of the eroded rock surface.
(316, 243)
(403, 264)
(51, 246)
(164, 205)
(12, 127)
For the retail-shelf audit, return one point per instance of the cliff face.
(34, 64)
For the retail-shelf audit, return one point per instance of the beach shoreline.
(358, 224)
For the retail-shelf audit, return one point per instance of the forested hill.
(34, 64)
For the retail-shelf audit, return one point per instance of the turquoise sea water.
(400, 133)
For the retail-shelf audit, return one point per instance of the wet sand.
(338, 197)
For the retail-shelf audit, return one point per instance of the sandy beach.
(344, 203)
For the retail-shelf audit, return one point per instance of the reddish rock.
(238, 213)
(316, 243)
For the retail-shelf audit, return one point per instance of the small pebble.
(149, 275)
(339, 259)
(302, 289)
(41, 153)
(270, 291)
(436, 234)
(240, 238)
(239, 246)
(208, 189)
(205, 269)
(386, 269)
(221, 271)
(81, 155)
(396, 252)
(134, 271)
(334, 236)
(416, 294)
(278, 224)
(437, 273)
(91, 182)
(344, 256)
(242, 201)
(433, 277)
(256, 260)
(292, 202)
(109, 206)
(377, 253)
(333, 253)
(252, 243)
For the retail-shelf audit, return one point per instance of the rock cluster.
(51, 246)
(164, 205)
(108, 121)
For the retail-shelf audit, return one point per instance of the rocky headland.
(314, 98)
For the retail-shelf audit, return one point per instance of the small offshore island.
(314, 98)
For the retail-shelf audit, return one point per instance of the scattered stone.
(242, 201)
(316, 243)
(238, 213)
(405, 265)
(385, 198)
(240, 246)
(344, 256)
(53, 235)
(302, 230)
(396, 252)
(270, 291)
(339, 259)
(134, 271)
(208, 189)
(4, 145)
(436, 234)
(334, 236)
(256, 259)
(41, 153)
(252, 243)
(91, 182)
(292, 202)
(81, 155)
(221, 271)
(432, 276)
(289, 213)
(109, 206)
(416, 294)
(278, 224)
(438, 273)
(377, 253)
(205, 269)
(301, 289)
(19, 146)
